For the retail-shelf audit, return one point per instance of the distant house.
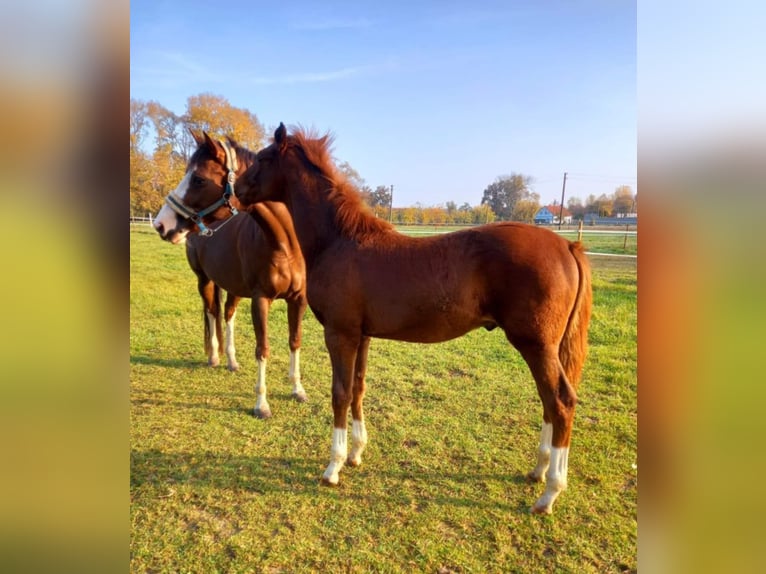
(549, 215)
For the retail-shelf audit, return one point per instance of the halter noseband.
(186, 212)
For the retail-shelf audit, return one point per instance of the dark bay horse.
(367, 280)
(256, 256)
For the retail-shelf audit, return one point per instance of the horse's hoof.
(213, 362)
(300, 397)
(262, 413)
(354, 463)
(541, 509)
(234, 368)
(328, 482)
(532, 477)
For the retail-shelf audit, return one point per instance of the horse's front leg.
(295, 312)
(230, 312)
(358, 429)
(211, 305)
(260, 314)
(343, 351)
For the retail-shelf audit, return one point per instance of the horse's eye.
(197, 180)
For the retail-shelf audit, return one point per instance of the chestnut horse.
(254, 256)
(367, 280)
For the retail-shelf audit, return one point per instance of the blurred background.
(64, 287)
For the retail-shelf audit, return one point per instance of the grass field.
(453, 429)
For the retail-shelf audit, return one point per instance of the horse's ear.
(215, 149)
(197, 136)
(280, 136)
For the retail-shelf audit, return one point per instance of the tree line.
(161, 144)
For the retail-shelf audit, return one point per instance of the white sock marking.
(543, 451)
(556, 479)
(212, 358)
(337, 455)
(231, 352)
(261, 404)
(294, 373)
(358, 441)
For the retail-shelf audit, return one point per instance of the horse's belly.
(429, 329)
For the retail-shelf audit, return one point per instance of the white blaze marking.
(212, 358)
(358, 441)
(169, 218)
(544, 451)
(337, 455)
(556, 479)
(230, 350)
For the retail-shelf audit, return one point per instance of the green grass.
(453, 429)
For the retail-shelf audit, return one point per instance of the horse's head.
(264, 179)
(205, 194)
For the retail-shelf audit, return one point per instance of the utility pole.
(561, 209)
(391, 205)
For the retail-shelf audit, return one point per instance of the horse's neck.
(277, 226)
(314, 220)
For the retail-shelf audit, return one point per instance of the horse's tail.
(218, 326)
(574, 345)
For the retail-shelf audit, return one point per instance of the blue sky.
(436, 98)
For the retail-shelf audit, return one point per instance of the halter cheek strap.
(177, 205)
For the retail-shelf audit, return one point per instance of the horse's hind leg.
(543, 452)
(260, 313)
(358, 429)
(559, 399)
(230, 312)
(211, 305)
(295, 311)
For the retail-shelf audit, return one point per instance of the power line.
(602, 177)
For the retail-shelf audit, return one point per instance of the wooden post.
(579, 231)
(625, 242)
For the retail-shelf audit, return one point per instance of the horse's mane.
(352, 216)
(245, 156)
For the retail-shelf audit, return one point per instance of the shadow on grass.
(157, 472)
(160, 362)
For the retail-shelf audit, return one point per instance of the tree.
(482, 214)
(139, 122)
(526, 208)
(215, 115)
(351, 174)
(381, 197)
(604, 205)
(623, 200)
(576, 207)
(501, 195)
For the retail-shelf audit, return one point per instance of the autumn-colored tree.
(623, 200)
(526, 208)
(482, 214)
(604, 205)
(215, 115)
(158, 164)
